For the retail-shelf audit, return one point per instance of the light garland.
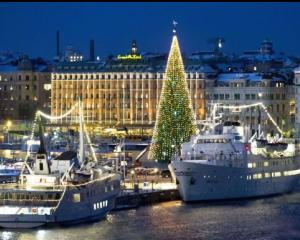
(175, 120)
(255, 105)
(58, 117)
(49, 117)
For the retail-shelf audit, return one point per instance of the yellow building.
(123, 92)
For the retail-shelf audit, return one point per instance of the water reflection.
(270, 218)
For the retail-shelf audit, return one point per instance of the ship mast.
(81, 135)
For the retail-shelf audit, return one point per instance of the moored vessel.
(221, 163)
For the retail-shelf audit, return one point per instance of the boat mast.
(81, 135)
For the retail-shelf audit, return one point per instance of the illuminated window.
(277, 174)
(76, 197)
(267, 175)
(259, 176)
(266, 164)
(47, 87)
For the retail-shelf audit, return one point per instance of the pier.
(129, 199)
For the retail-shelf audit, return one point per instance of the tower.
(134, 48)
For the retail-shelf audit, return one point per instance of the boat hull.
(83, 203)
(201, 182)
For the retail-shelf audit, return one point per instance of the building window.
(237, 96)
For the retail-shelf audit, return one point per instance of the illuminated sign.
(129, 57)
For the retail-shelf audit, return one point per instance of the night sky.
(30, 27)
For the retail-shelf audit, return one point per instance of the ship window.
(95, 206)
(259, 176)
(76, 197)
(101, 205)
(267, 175)
(41, 166)
(277, 174)
(105, 189)
(112, 187)
(250, 165)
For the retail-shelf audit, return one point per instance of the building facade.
(123, 92)
(239, 89)
(297, 102)
(24, 87)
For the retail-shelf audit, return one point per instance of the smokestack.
(92, 50)
(57, 44)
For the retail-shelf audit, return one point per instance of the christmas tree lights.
(175, 120)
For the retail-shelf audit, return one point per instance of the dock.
(129, 199)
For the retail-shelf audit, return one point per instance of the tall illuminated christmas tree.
(175, 121)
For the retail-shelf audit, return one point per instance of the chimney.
(57, 44)
(92, 50)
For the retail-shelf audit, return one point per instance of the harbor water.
(260, 219)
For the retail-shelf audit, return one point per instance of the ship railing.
(29, 202)
(16, 186)
(230, 160)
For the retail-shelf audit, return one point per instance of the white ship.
(66, 190)
(221, 163)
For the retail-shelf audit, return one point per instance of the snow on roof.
(239, 76)
(297, 69)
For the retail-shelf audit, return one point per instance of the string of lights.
(175, 121)
(58, 117)
(49, 117)
(259, 104)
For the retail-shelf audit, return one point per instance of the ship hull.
(92, 203)
(201, 182)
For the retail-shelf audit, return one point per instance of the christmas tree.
(175, 120)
